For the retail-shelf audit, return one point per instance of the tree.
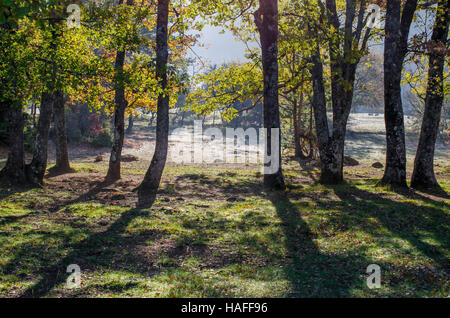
(134, 82)
(113, 173)
(76, 63)
(221, 88)
(266, 20)
(36, 169)
(149, 186)
(423, 174)
(16, 71)
(53, 66)
(295, 78)
(345, 46)
(129, 130)
(397, 27)
(47, 62)
(368, 91)
(59, 118)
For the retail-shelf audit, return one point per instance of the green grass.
(213, 232)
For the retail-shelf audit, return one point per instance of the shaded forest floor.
(214, 232)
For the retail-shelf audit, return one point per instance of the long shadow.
(52, 276)
(410, 220)
(4, 194)
(83, 197)
(311, 272)
(8, 191)
(438, 192)
(4, 220)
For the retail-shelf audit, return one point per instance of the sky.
(219, 48)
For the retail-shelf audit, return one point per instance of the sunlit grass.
(315, 242)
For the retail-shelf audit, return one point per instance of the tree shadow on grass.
(7, 191)
(411, 222)
(86, 249)
(311, 272)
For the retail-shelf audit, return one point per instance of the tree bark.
(36, 169)
(59, 118)
(113, 173)
(344, 57)
(266, 19)
(395, 49)
(320, 116)
(298, 112)
(295, 118)
(423, 175)
(149, 186)
(119, 120)
(14, 170)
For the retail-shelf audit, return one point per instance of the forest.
(315, 164)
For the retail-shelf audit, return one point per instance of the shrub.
(103, 139)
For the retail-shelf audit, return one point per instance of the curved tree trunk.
(320, 116)
(331, 146)
(14, 170)
(36, 169)
(395, 49)
(149, 186)
(423, 174)
(266, 19)
(59, 118)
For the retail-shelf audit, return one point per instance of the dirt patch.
(90, 187)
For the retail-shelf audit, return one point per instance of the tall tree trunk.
(130, 124)
(266, 19)
(119, 120)
(59, 118)
(33, 113)
(344, 58)
(14, 170)
(395, 49)
(113, 173)
(149, 186)
(423, 174)
(298, 111)
(320, 116)
(36, 169)
(295, 117)
(331, 147)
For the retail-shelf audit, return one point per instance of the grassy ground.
(214, 232)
